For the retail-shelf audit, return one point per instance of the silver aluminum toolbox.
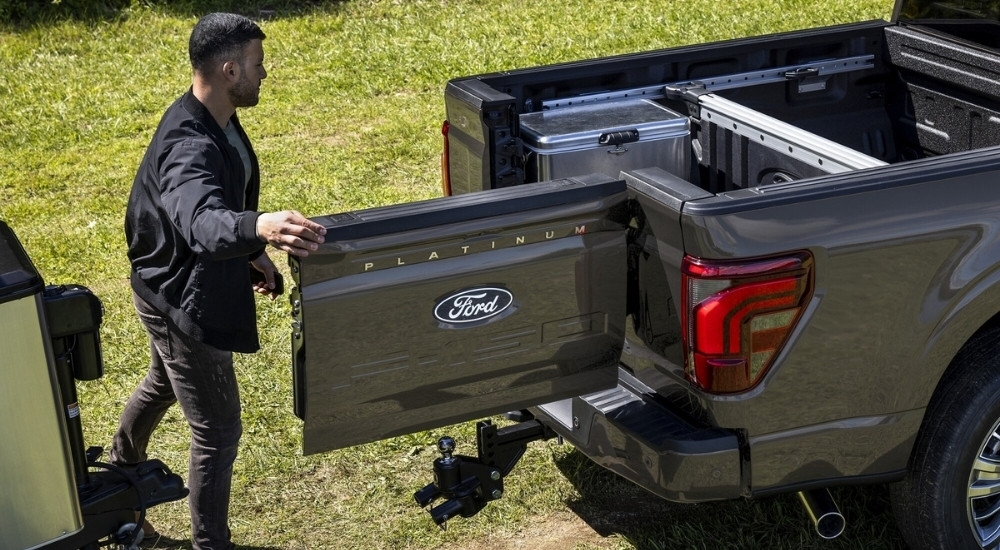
(605, 138)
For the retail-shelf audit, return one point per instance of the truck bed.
(861, 95)
(927, 101)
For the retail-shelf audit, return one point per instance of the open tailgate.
(426, 314)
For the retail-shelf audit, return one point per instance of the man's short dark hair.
(220, 36)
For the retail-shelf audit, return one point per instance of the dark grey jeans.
(201, 379)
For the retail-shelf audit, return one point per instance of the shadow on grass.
(612, 505)
(167, 543)
(18, 15)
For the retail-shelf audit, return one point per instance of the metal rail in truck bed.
(720, 115)
(805, 73)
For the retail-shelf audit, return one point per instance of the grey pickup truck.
(724, 270)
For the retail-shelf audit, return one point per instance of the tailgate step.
(626, 431)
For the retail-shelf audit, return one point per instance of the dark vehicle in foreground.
(722, 270)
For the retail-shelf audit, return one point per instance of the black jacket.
(191, 228)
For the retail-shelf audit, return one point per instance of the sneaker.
(149, 533)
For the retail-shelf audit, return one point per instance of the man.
(194, 236)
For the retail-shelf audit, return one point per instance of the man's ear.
(231, 70)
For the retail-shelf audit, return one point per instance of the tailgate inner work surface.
(426, 314)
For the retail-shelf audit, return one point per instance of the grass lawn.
(349, 118)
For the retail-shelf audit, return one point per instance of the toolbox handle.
(619, 137)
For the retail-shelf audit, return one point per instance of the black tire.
(957, 456)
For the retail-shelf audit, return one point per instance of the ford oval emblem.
(473, 305)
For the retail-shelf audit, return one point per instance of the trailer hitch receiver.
(467, 484)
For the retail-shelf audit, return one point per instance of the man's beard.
(244, 93)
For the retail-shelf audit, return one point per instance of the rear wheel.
(950, 498)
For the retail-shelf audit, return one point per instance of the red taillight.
(737, 315)
(445, 172)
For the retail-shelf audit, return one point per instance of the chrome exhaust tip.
(823, 512)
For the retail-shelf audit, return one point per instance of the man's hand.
(290, 231)
(266, 282)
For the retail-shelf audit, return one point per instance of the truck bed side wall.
(906, 272)
(952, 91)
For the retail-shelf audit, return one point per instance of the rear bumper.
(625, 431)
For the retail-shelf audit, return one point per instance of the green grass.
(349, 118)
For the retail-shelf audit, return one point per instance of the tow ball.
(467, 484)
